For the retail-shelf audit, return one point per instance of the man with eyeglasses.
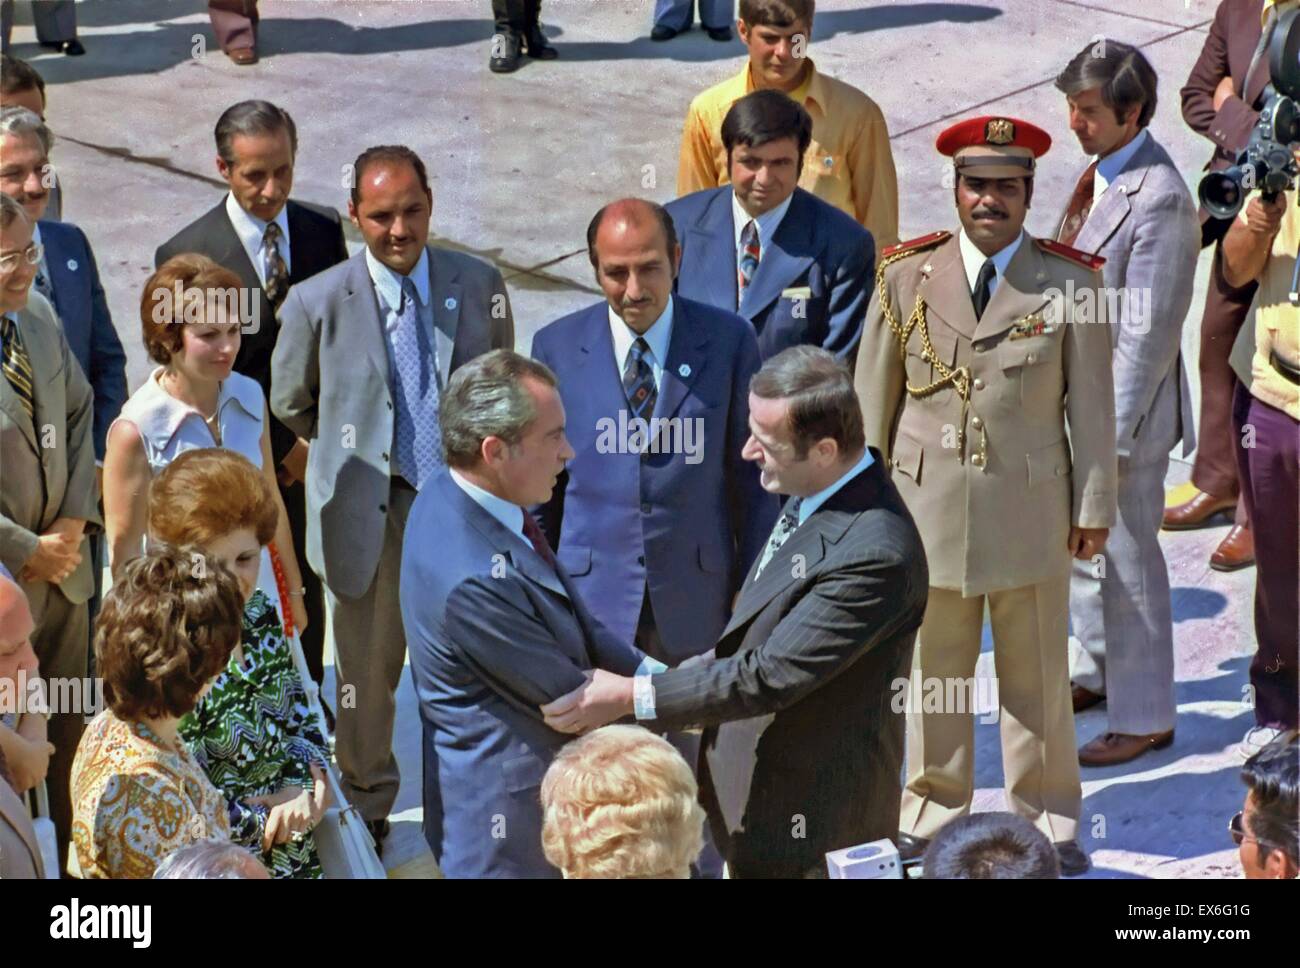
(48, 498)
(1265, 827)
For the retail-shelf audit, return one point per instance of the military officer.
(981, 350)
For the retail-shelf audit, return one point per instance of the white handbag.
(46, 839)
(343, 843)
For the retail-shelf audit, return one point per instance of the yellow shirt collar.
(811, 89)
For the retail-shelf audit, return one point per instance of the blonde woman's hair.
(621, 802)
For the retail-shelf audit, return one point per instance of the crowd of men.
(787, 463)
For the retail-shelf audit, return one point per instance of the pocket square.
(1034, 325)
(797, 292)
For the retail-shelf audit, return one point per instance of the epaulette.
(916, 245)
(1077, 256)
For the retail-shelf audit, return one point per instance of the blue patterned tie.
(417, 448)
(748, 255)
(785, 526)
(639, 380)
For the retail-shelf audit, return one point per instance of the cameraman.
(1262, 246)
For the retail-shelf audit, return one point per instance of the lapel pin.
(829, 162)
(684, 370)
(451, 302)
(72, 265)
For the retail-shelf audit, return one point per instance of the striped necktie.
(748, 255)
(17, 367)
(639, 380)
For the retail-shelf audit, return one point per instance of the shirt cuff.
(643, 690)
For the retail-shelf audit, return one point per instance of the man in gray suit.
(48, 498)
(1132, 208)
(364, 350)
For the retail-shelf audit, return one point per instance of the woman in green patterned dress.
(253, 733)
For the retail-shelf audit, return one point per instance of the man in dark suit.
(496, 626)
(234, 24)
(803, 704)
(23, 86)
(518, 31)
(271, 242)
(657, 517)
(56, 25)
(367, 348)
(1221, 100)
(798, 269)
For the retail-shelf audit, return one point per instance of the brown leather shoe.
(1111, 748)
(1197, 512)
(243, 56)
(1084, 698)
(1237, 550)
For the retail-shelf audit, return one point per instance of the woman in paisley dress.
(162, 635)
(253, 733)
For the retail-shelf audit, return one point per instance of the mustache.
(982, 212)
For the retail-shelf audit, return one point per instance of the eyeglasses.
(31, 255)
(1237, 829)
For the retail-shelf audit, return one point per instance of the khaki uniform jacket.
(1039, 448)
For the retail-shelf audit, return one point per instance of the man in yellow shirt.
(848, 164)
(1263, 245)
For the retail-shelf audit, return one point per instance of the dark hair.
(991, 846)
(386, 154)
(251, 118)
(210, 492)
(165, 630)
(823, 402)
(1123, 73)
(18, 75)
(776, 13)
(486, 398)
(1273, 776)
(658, 211)
(206, 283)
(762, 117)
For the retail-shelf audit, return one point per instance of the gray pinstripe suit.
(803, 751)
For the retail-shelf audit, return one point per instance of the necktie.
(17, 367)
(639, 380)
(277, 273)
(984, 287)
(42, 284)
(533, 532)
(784, 527)
(417, 449)
(1076, 213)
(748, 255)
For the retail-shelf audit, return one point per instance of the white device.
(875, 861)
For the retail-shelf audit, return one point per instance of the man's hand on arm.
(1222, 92)
(1085, 543)
(294, 466)
(602, 699)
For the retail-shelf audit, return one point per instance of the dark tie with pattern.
(747, 258)
(984, 287)
(639, 380)
(277, 273)
(533, 532)
(17, 367)
(1076, 213)
(42, 283)
(785, 526)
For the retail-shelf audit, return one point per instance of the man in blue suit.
(656, 526)
(494, 625)
(798, 269)
(67, 275)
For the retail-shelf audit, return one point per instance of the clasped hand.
(293, 810)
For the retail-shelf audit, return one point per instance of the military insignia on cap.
(1000, 131)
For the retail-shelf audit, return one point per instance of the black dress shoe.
(378, 831)
(538, 48)
(71, 47)
(505, 54)
(1072, 858)
(720, 33)
(911, 848)
(662, 33)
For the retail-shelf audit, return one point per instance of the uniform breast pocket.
(1034, 362)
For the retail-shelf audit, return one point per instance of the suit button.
(979, 384)
(977, 423)
(383, 509)
(645, 507)
(640, 559)
(1031, 359)
(978, 460)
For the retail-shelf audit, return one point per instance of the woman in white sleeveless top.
(194, 399)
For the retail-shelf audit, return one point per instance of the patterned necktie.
(1076, 213)
(17, 367)
(533, 532)
(748, 255)
(277, 273)
(417, 449)
(784, 527)
(984, 287)
(639, 380)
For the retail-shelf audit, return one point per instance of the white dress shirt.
(973, 260)
(1110, 166)
(768, 223)
(252, 232)
(657, 337)
(811, 503)
(388, 286)
(510, 515)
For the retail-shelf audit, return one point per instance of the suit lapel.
(62, 279)
(228, 251)
(712, 242)
(304, 245)
(445, 295)
(602, 372)
(361, 308)
(1115, 203)
(687, 357)
(945, 289)
(786, 259)
(1019, 294)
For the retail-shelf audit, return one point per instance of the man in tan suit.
(48, 497)
(979, 350)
